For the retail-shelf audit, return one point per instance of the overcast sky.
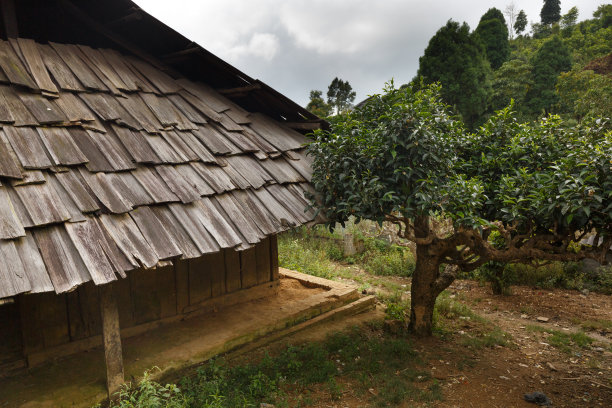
(298, 45)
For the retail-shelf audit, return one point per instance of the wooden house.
(140, 176)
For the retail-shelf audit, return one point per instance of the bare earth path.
(499, 376)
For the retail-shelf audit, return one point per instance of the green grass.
(568, 275)
(495, 337)
(451, 309)
(566, 342)
(594, 325)
(317, 251)
(369, 357)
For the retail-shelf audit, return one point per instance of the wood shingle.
(109, 164)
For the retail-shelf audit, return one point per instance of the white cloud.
(299, 45)
(261, 45)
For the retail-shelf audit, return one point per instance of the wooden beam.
(239, 91)
(9, 18)
(304, 125)
(117, 39)
(136, 14)
(111, 338)
(178, 55)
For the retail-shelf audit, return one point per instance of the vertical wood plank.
(262, 262)
(181, 275)
(77, 327)
(53, 319)
(111, 338)
(123, 294)
(232, 270)
(32, 335)
(248, 267)
(216, 268)
(90, 308)
(273, 258)
(145, 296)
(200, 278)
(167, 291)
(11, 348)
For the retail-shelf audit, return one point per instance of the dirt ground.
(501, 375)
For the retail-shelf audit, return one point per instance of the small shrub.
(150, 394)
(500, 277)
(396, 311)
(334, 252)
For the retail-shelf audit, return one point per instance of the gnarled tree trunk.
(425, 285)
(423, 292)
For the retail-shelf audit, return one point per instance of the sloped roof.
(108, 164)
(122, 25)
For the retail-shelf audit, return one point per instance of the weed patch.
(495, 337)
(376, 359)
(566, 342)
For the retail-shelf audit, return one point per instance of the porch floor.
(78, 380)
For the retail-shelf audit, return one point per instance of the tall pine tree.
(521, 22)
(493, 33)
(550, 60)
(457, 60)
(551, 12)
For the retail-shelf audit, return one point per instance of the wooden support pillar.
(273, 258)
(111, 338)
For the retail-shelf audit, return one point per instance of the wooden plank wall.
(49, 320)
(10, 334)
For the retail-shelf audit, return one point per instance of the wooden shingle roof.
(108, 164)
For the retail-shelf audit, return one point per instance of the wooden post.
(273, 258)
(349, 244)
(111, 338)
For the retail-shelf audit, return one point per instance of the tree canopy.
(493, 33)
(569, 19)
(512, 82)
(340, 95)
(551, 12)
(457, 59)
(551, 59)
(402, 157)
(521, 22)
(317, 104)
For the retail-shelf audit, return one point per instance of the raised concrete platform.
(300, 302)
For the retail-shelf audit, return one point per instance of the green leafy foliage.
(569, 19)
(521, 22)
(551, 59)
(493, 33)
(372, 358)
(512, 82)
(404, 153)
(150, 394)
(403, 157)
(317, 104)
(584, 94)
(390, 156)
(604, 14)
(551, 11)
(456, 58)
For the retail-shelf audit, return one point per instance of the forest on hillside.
(558, 66)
